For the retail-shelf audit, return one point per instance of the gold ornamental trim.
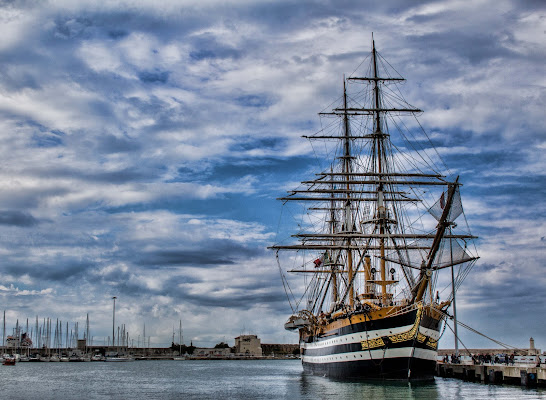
(372, 343)
(400, 337)
(432, 343)
(408, 335)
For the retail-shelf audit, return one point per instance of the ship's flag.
(317, 262)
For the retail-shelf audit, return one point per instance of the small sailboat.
(180, 356)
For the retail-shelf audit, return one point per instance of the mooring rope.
(506, 346)
(457, 337)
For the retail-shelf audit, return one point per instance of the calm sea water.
(221, 380)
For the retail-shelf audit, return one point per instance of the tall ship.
(382, 242)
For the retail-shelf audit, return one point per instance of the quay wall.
(524, 375)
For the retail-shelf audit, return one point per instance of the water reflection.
(318, 387)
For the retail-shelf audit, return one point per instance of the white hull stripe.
(377, 355)
(361, 336)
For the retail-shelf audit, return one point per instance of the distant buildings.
(211, 352)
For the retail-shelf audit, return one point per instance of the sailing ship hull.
(402, 347)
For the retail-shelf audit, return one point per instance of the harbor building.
(248, 345)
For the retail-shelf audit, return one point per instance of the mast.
(379, 155)
(87, 333)
(333, 230)
(56, 340)
(453, 301)
(180, 339)
(36, 333)
(348, 220)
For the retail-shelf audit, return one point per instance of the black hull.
(402, 347)
(386, 369)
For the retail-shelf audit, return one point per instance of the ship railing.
(402, 307)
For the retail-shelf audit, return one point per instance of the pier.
(524, 375)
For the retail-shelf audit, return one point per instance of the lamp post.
(114, 321)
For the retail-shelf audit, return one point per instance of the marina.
(22, 347)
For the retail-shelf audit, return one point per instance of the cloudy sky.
(143, 144)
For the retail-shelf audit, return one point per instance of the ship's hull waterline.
(403, 347)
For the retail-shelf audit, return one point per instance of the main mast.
(381, 210)
(348, 218)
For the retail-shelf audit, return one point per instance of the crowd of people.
(480, 359)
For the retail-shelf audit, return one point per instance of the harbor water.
(252, 379)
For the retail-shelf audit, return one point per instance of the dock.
(522, 375)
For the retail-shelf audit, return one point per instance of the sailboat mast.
(87, 343)
(180, 339)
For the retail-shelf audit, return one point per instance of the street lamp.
(114, 321)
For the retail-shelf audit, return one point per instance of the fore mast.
(381, 172)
